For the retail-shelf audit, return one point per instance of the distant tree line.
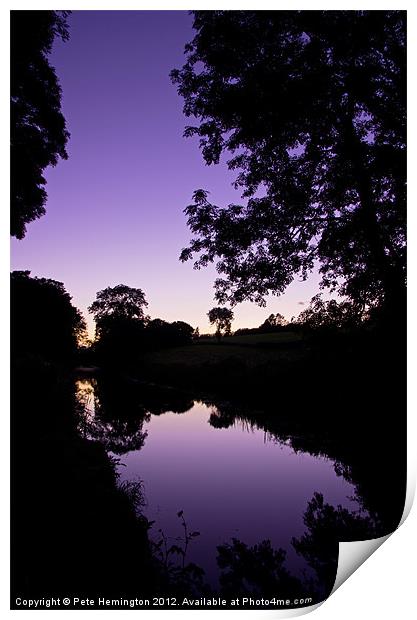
(320, 315)
(46, 324)
(123, 329)
(274, 323)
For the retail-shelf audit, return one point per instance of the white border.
(384, 586)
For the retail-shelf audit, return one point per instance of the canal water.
(234, 482)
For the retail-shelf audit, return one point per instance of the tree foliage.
(38, 131)
(119, 314)
(119, 301)
(43, 320)
(330, 314)
(162, 334)
(310, 107)
(273, 323)
(123, 329)
(222, 318)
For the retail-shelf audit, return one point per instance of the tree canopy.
(273, 322)
(222, 318)
(38, 131)
(310, 107)
(330, 314)
(120, 321)
(43, 320)
(162, 334)
(119, 301)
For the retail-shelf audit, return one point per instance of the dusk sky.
(114, 211)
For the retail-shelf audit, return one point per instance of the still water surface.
(235, 482)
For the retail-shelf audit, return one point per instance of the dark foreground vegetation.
(75, 532)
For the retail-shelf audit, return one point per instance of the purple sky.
(114, 210)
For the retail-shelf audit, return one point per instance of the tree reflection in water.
(114, 412)
(257, 570)
(111, 416)
(260, 569)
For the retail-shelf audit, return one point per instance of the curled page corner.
(353, 554)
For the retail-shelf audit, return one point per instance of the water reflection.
(111, 417)
(237, 484)
(113, 411)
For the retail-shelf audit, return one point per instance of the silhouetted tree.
(43, 320)
(120, 321)
(119, 301)
(161, 334)
(311, 105)
(330, 314)
(222, 318)
(157, 333)
(38, 131)
(182, 333)
(273, 322)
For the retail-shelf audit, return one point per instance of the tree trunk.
(389, 274)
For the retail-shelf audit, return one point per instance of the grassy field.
(255, 339)
(251, 350)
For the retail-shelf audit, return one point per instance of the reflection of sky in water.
(85, 396)
(230, 482)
